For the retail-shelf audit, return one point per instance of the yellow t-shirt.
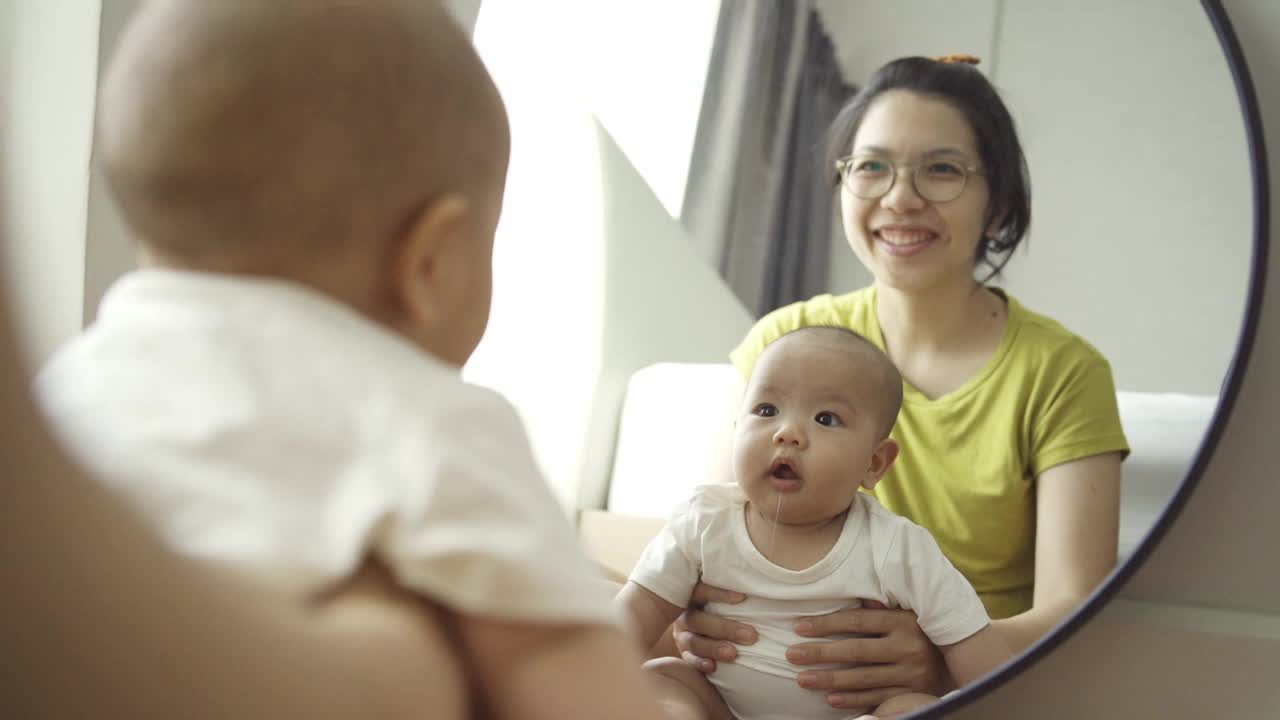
(970, 458)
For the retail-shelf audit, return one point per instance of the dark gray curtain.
(758, 201)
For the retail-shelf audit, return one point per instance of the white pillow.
(674, 433)
(1165, 431)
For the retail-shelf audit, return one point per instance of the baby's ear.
(421, 261)
(881, 460)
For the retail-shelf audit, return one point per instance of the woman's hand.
(703, 638)
(899, 655)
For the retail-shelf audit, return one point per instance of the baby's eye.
(765, 410)
(829, 419)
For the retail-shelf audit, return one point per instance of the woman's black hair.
(1004, 165)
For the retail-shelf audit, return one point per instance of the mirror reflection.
(1130, 278)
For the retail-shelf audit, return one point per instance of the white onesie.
(878, 556)
(261, 423)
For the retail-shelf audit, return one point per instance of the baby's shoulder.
(880, 519)
(717, 498)
(426, 398)
(892, 535)
(708, 508)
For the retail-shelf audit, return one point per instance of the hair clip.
(958, 59)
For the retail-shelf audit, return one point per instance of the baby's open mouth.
(783, 471)
(783, 477)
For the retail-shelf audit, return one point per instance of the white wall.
(869, 33)
(1138, 164)
(48, 71)
(1141, 217)
(465, 12)
(108, 251)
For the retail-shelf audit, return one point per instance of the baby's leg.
(684, 693)
(899, 705)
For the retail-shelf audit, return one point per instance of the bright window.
(639, 67)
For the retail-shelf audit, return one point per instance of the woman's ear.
(422, 264)
(996, 224)
(881, 460)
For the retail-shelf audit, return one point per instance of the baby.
(796, 535)
(314, 186)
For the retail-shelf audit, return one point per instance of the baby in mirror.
(314, 188)
(798, 536)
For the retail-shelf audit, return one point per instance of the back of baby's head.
(261, 133)
(872, 366)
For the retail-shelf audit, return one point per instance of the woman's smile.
(904, 240)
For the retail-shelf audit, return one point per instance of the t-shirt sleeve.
(477, 528)
(917, 576)
(1081, 416)
(670, 567)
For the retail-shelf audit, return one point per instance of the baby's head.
(815, 422)
(359, 148)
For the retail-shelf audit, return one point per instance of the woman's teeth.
(904, 237)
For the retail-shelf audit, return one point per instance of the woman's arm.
(1077, 535)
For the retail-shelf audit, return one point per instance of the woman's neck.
(940, 319)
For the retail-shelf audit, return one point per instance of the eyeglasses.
(871, 177)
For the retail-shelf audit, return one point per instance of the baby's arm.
(976, 655)
(553, 672)
(645, 615)
(946, 604)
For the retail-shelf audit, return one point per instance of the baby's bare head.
(856, 364)
(268, 137)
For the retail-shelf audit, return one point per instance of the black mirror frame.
(1112, 585)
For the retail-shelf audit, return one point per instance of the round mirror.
(1144, 231)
